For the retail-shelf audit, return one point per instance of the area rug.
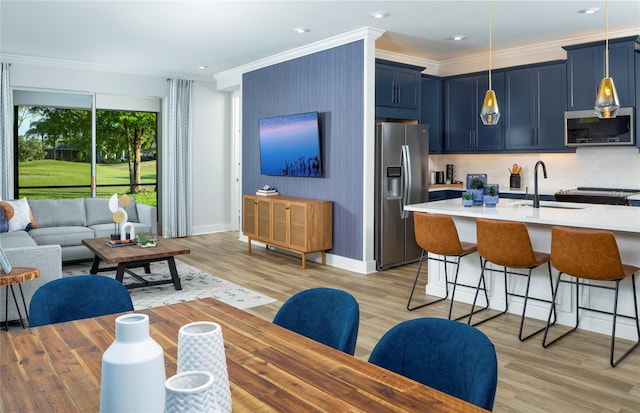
(195, 285)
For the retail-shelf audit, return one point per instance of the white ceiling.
(175, 37)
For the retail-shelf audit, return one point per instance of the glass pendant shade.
(490, 113)
(607, 102)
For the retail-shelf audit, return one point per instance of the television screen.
(290, 145)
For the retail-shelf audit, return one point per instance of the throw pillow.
(18, 214)
(4, 224)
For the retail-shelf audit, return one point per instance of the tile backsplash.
(606, 167)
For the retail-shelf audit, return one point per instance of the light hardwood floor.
(571, 376)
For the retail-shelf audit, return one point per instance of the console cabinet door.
(280, 223)
(264, 218)
(298, 226)
(249, 216)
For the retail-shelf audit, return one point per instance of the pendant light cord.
(490, 48)
(606, 39)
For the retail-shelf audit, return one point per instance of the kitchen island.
(623, 221)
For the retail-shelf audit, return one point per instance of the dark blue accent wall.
(331, 83)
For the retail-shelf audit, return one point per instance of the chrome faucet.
(536, 195)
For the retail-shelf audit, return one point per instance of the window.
(59, 157)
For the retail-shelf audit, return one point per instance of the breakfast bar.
(623, 221)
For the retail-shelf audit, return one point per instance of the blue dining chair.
(77, 297)
(450, 356)
(327, 315)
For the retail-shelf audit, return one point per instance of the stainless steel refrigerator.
(402, 171)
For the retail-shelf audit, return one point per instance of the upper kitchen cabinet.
(586, 67)
(534, 108)
(397, 90)
(431, 111)
(463, 128)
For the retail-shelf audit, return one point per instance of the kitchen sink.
(547, 204)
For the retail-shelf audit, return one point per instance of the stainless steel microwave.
(584, 128)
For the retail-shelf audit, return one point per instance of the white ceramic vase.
(201, 348)
(189, 392)
(133, 373)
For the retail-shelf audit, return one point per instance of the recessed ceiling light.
(379, 15)
(457, 37)
(300, 30)
(590, 10)
(202, 67)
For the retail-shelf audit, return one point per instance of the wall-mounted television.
(290, 145)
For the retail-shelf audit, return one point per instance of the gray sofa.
(61, 225)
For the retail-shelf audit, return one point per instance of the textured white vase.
(189, 392)
(133, 372)
(201, 348)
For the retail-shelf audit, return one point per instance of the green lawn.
(49, 172)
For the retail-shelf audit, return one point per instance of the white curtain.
(176, 164)
(6, 134)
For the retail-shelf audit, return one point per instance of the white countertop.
(608, 217)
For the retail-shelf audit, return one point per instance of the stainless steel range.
(586, 195)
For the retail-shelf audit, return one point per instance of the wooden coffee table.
(134, 256)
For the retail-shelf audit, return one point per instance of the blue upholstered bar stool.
(591, 255)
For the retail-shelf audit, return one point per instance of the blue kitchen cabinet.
(637, 115)
(463, 129)
(534, 108)
(586, 67)
(431, 111)
(397, 85)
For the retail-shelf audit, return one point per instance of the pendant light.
(490, 113)
(607, 103)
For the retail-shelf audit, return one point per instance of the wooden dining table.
(56, 368)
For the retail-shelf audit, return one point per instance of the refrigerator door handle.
(406, 179)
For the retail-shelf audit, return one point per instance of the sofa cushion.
(98, 211)
(63, 236)
(18, 214)
(58, 212)
(16, 239)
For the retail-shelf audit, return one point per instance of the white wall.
(211, 127)
(212, 159)
(606, 167)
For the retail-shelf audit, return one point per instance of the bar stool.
(591, 255)
(507, 244)
(437, 234)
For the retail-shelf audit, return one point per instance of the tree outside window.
(55, 153)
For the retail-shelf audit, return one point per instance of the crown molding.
(231, 78)
(431, 66)
(522, 55)
(78, 65)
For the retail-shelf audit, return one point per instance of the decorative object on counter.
(201, 348)
(476, 187)
(491, 198)
(189, 392)
(450, 177)
(147, 240)
(467, 199)
(514, 179)
(607, 102)
(133, 373)
(490, 113)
